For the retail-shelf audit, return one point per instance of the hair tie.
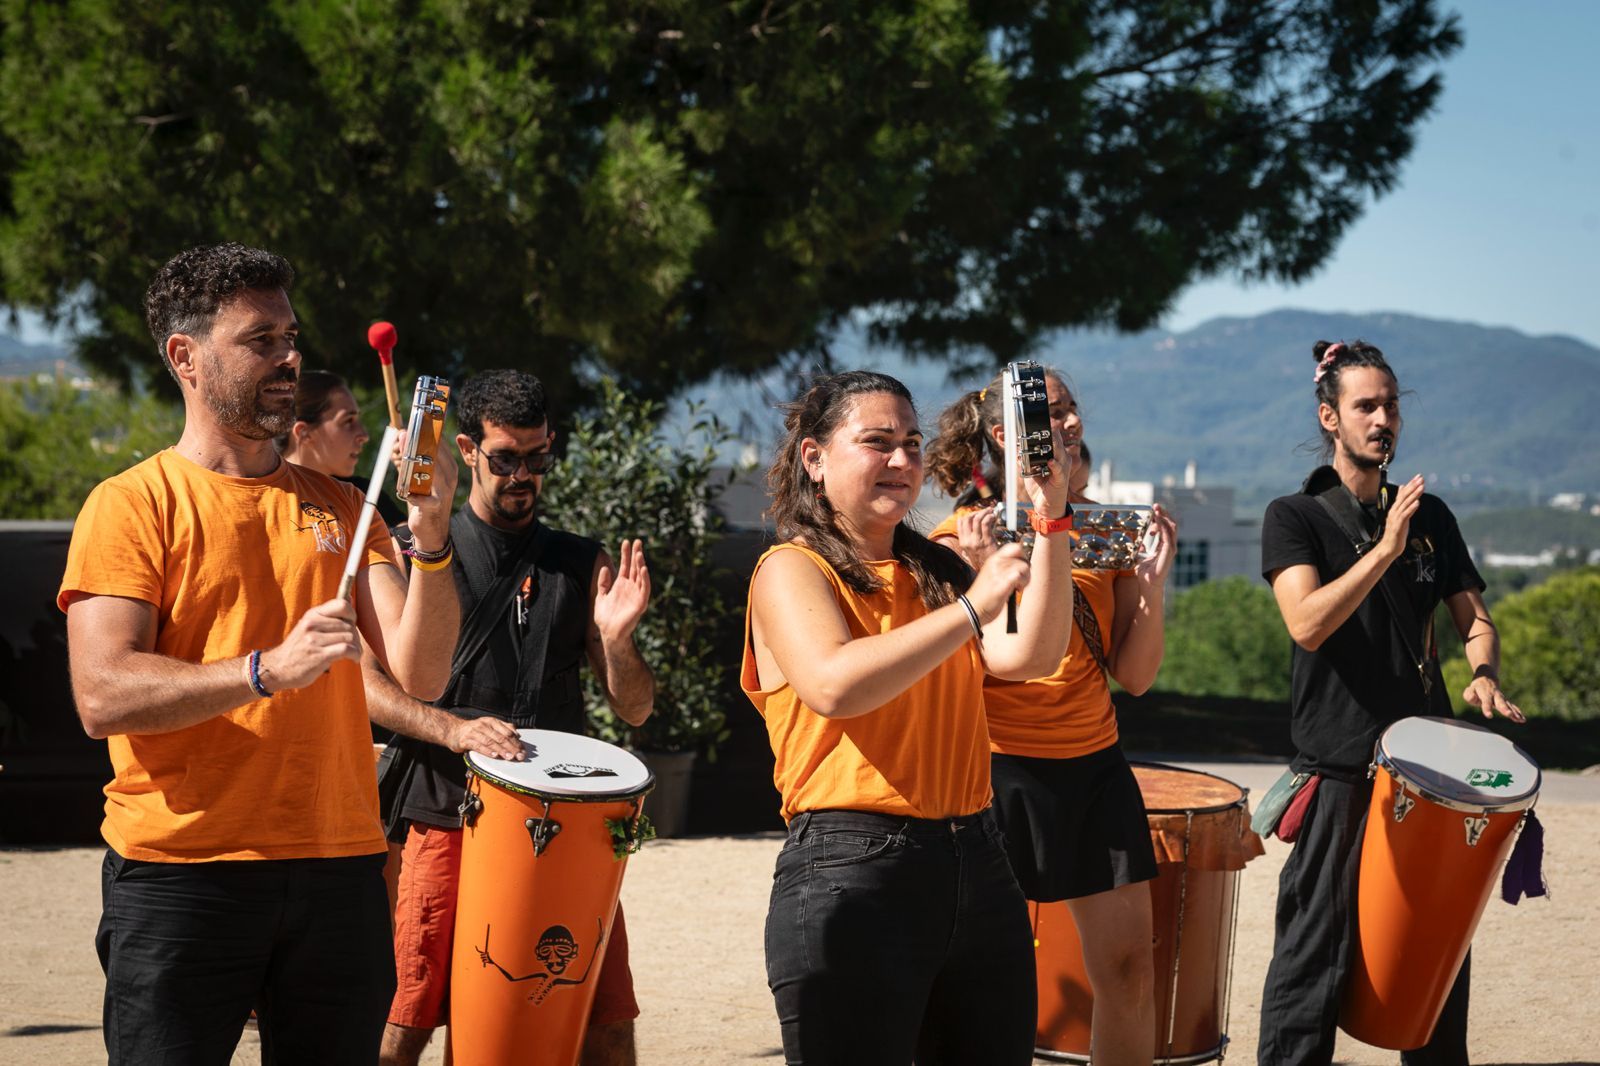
(1327, 362)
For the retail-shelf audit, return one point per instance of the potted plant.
(621, 477)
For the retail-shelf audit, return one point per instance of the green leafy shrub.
(621, 478)
(1549, 648)
(1226, 638)
(61, 440)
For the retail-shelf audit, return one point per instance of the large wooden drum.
(1200, 828)
(546, 842)
(1448, 800)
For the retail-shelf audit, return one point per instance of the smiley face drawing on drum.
(555, 951)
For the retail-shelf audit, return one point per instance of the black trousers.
(1315, 937)
(189, 949)
(892, 940)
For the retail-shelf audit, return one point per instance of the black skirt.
(1073, 827)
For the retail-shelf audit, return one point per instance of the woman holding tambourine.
(1066, 799)
(896, 930)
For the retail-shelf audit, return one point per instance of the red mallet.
(382, 336)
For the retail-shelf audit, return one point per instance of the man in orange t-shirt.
(209, 646)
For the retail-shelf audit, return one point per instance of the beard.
(1365, 462)
(514, 509)
(238, 405)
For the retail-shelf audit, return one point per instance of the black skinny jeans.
(891, 940)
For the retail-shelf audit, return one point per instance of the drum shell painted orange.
(1421, 893)
(574, 883)
(1199, 855)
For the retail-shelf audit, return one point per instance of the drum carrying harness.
(1347, 513)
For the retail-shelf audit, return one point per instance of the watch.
(1046, 526)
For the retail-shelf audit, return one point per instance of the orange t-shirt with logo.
(924, 754)
(1069, 713)
(231, 564)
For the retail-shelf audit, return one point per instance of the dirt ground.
(695, 912)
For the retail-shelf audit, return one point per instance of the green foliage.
(621, 479)
(62, 441)
(628, 835)
(1549, 648)
(1225, 638)
(672, 188)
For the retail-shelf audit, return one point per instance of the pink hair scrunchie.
(1327, 362)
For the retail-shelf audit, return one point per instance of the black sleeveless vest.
(526, 672)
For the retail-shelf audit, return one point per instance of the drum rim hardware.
(475, 770)
(1406, 783)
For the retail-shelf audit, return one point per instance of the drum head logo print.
(1489, 778)
(572, 769)
(555, 952)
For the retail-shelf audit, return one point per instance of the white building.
(1212, 543)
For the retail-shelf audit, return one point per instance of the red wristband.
(1046, 526)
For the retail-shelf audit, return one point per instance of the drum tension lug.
(470, 807)
(1475, 828)
(1402, 804)
(541, 831)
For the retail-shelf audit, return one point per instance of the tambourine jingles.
(424, 431)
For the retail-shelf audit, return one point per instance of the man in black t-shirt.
(1358, 567)
(551, 601)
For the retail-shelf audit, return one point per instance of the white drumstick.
(358, 546)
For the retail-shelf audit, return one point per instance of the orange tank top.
(924, 754)
(1069, 713)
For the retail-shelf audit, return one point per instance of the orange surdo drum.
(1448, 801)
(1200, 828)
(545, 845)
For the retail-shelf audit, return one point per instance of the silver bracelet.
(972, 615)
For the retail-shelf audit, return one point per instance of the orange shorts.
(424, 928)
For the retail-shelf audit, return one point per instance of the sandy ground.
(695, 912)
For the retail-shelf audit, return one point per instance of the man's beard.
(1365, 462)
(238, 406)
(499, 505)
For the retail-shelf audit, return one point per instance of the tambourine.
(1109, 537)
(1030, 442)
(423, 433)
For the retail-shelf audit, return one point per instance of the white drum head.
(1459, 763)
(566, 765)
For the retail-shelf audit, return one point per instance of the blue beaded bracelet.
(252, 674)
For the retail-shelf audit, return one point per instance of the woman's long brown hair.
(801, 513)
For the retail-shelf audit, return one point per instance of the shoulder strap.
(1341, 505)
(494, 603)
(1084, 618)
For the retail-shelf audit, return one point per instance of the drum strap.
(1089, 626)
(495, 602)
(1345, 510)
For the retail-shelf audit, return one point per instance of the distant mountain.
(19, 360)
(1491, 415)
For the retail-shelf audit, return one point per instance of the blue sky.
(1496, 219)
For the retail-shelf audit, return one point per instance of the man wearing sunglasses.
(536, 603)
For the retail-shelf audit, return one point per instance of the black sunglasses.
(502, 465)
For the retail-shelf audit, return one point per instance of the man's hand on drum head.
(324, 635)
(1484, 693)
(489, 737)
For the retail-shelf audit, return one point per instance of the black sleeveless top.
(526, 670)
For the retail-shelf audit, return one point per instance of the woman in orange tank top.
(896, 931)
(1065, 797)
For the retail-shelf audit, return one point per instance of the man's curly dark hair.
(510, 398)
(185, 294)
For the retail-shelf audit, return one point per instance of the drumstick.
(382, 336)
(358, 546)
(1013, 434)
